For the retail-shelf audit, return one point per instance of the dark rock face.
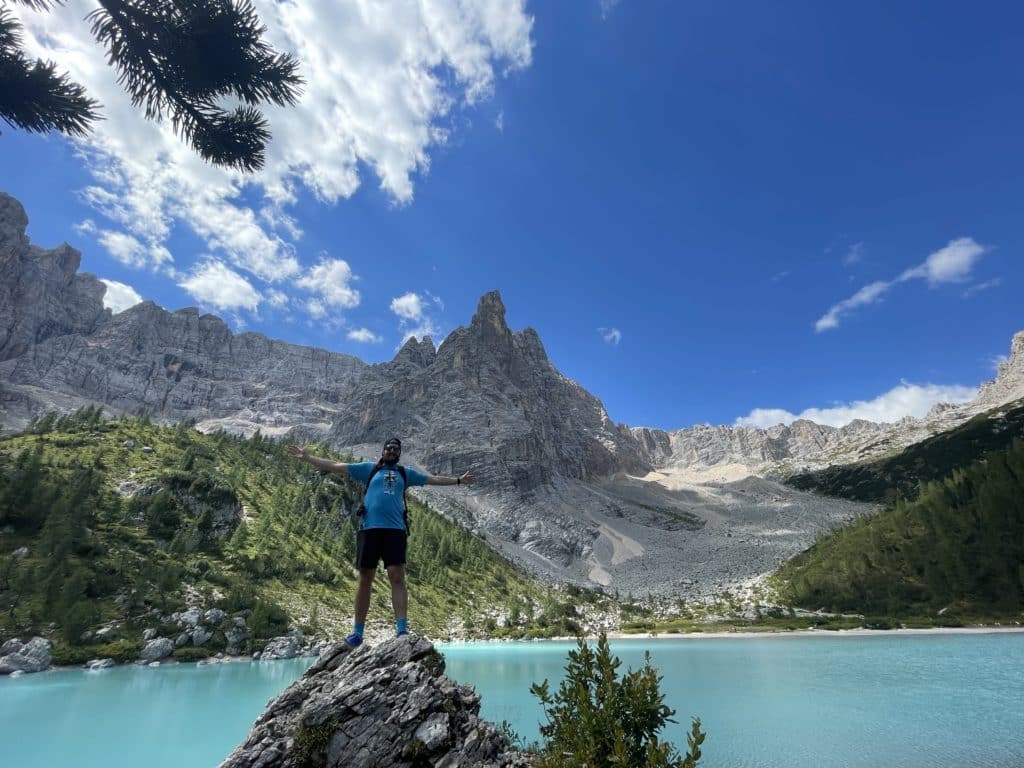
(379, 707)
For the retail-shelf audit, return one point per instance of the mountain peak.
(13, 222)
(490, 312)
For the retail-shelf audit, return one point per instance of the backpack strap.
(361, 512)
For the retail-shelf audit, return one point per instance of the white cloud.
(900, 401)
(364, 336)
(332, 280)
(606, 7)
(610, 335)
(408, 306)
(977, 288)
(951, 264)
(499, 122)
(426, 327)
(382, 83)
(278, 299)
(119, 296)
(853, 254)
(316, 308)
(413, 317)
(215, 284)
(125, 248)
(866, 295)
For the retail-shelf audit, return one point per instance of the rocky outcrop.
(33, 656)
(379, 707)
(41, 295)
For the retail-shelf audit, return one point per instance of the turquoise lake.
(785, 702)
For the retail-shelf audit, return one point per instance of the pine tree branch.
(177, 58)
(32, 96)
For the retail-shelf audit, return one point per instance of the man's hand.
(297, 453)
(466, 479)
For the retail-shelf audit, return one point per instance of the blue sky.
(723, 212)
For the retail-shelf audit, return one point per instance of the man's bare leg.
(363, 591)
(399, 591)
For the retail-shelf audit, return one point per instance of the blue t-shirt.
(385, 496)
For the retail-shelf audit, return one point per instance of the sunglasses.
(395, 448)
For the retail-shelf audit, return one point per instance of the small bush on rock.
(190, 654)
(601, 721)
(121, 651)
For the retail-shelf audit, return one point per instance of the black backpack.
(361, 512)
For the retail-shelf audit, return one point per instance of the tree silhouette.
(175, 58)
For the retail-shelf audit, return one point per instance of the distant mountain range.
(561, 488)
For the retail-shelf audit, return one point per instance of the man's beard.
(391, 462)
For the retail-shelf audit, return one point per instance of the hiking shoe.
(354, 640)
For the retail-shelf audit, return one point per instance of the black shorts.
(376, 544)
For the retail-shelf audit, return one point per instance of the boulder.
(284, 647)
(381, 707)
(149, 634)
(99, 664)
(201, 636)
(33, 656)
(156, 649)
(183, 639)
(214, 617)
(106, 634)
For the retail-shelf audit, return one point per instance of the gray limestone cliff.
(380, 707)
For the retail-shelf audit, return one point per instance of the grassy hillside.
(900, 476)
(125, 522)
(958, 547)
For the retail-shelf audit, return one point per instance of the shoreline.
(747, 635)
(660, 636)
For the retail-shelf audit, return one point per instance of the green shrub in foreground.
(599, 720)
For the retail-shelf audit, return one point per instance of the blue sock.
(401, 626)
(358, 629)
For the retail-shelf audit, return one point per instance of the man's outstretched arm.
(466, 479)
(320, 463)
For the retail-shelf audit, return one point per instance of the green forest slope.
(126, 522)
(955, 547)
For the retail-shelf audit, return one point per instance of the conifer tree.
(176, 59)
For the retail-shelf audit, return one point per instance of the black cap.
(393, 441)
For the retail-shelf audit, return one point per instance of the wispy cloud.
(951, 264)
(610, 335)
(854, 254)
(215, 284)
(364, 336)
(606, 7)
(119, 296)
(900, 401)
(977, 288)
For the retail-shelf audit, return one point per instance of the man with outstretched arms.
(384, 529)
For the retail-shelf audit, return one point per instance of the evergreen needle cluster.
(177, 59)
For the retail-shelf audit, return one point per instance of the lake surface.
(771, 702)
